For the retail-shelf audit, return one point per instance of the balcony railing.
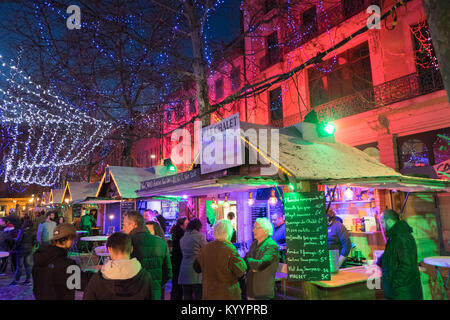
(390, 92)
(324, 21)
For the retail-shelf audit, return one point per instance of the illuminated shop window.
(414, 154)
(441, 148)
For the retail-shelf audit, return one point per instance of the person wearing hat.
(50, 269)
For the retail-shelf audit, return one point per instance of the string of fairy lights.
(47, 134)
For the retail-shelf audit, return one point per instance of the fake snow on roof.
(323, 160)
(82, 190)
(128, 179)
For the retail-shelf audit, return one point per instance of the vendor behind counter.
(338, 237)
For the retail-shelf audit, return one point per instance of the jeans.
(22, 258)
(192, 292)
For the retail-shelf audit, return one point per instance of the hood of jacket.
(121, 269)
(401, 227)
(48, 253)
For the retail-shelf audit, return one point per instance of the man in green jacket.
(262, 261)
(151, 251)
(401, 278)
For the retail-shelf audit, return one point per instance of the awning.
(212, 186)
(401, 183)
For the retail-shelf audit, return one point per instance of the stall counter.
(347, 284)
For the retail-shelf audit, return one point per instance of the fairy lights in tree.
(47, 134)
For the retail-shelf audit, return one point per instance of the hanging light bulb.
(273, 200)
(226, 204)
(348, 194)
(250, 200)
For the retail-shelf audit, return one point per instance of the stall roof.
(128, 179)
(320, 159)
(401, 183)
(80, 190)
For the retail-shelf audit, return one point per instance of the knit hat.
(64, 230)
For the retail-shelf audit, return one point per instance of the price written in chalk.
(306, 236)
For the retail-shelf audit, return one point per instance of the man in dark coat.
(51, 267)
(23, 247)
(176, 257)
(400, 272)
(262, 261)
(151, 251)
(121, 278)
(338, 237)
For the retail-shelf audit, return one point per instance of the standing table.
(95, 240)
(442, 262)
(74, 247)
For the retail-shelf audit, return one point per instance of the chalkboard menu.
(306, 236)
(124, 208)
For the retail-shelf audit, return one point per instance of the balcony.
(335, 15)
(387, 93)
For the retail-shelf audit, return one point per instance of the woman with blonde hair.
(220, 265)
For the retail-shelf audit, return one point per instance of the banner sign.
(221, 145)
(172, 180)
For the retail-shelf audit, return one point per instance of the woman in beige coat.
(221, 265)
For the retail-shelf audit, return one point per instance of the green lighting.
(291, 186)
(329, 128)
(172, 168)
(325, 129)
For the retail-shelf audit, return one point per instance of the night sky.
(224, 23)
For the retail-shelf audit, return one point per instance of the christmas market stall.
(285, 181)
(74, 194)
(116, 193)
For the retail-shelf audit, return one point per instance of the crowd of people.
(141, 264)
(20, 237)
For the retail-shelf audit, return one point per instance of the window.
(273, 52)
(425, 58)
(441, 148)
(424, 149)
(177, 113)
(276, 104)
(192, 108)
(235, 78)
(414, 154)
(309, 20)
(181, 108)
(219, 88)
(351, 72)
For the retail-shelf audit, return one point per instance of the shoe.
(14, 283)
(26, 282)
